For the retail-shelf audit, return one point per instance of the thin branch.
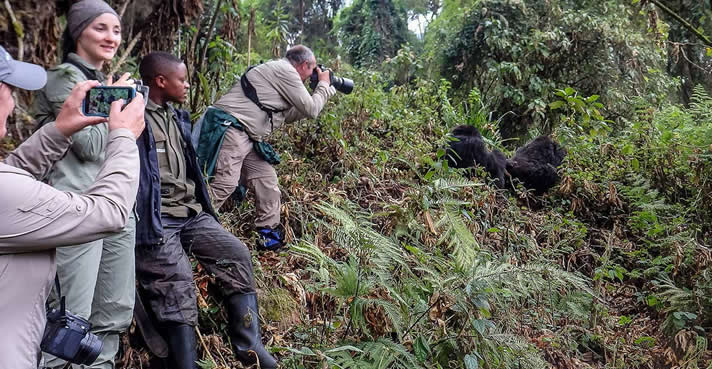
(123, 9)
(125, 54)
(684, 55)
(201, 61)
(250, 33)
(17, 26)
(683, 22)
(205, 346)
(210, 34)
(420, 318)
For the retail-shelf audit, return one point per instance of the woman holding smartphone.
(96, 278)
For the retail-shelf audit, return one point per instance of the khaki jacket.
(78, 169)
(37, 218)
(278, 87)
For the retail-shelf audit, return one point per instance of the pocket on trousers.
(175, 302)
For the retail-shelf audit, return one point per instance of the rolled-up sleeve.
(303, 104)
(38, 217)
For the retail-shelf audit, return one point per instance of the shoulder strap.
(251, 94)
(89, 74)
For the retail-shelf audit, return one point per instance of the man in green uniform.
(177, 219)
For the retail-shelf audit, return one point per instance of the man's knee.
(232, 249)
(266, 187)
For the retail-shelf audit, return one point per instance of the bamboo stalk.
(683, 22)
(19, 30)
(125, 54)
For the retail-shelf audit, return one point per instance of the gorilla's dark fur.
(534, 164)
(470, 150)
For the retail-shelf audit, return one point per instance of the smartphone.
(98, 100)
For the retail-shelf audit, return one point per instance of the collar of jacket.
(149, 229)
(76, 59)
(152, 106)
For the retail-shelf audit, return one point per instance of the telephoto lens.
(341, 84)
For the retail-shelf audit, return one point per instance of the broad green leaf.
(471, 362)
(557, 104)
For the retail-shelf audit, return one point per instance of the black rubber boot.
(182, 347)
(244, 328)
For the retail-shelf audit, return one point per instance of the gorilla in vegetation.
(470, 150)
(534, 164)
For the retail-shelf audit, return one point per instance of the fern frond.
(679, 299)
(455, 234)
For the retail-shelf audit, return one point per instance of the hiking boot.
(182, 346)
(244, 328)
(269, 239)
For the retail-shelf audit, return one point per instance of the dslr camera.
(67, 336)
(343, 85)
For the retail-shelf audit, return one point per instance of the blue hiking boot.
(270, 239)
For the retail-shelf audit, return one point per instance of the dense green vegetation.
(397, 260)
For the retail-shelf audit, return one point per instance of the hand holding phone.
(98, 100)
(129, 116)
(70, 120)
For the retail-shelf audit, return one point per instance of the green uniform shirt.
(60, 82)
(79, 168)
(177, 190)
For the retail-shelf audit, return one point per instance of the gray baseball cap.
(20, 74)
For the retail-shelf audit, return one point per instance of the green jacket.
(78, 169)
(212, 128)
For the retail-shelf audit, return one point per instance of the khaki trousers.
(99, 281)
(239, 163)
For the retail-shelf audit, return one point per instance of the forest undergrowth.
(397, 261)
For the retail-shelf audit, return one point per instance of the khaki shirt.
(177, 190)
(78, 169)
(37, 218)
(278, 87)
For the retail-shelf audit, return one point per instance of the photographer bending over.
(176, 219)
(239, 153)
(37, 218)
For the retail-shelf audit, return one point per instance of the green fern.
(458, 237)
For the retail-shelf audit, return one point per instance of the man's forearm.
(38, 154)
(40, 217)
(310, 108)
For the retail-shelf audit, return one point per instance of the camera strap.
(62, 305)
(87, 73)
(251, 94)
